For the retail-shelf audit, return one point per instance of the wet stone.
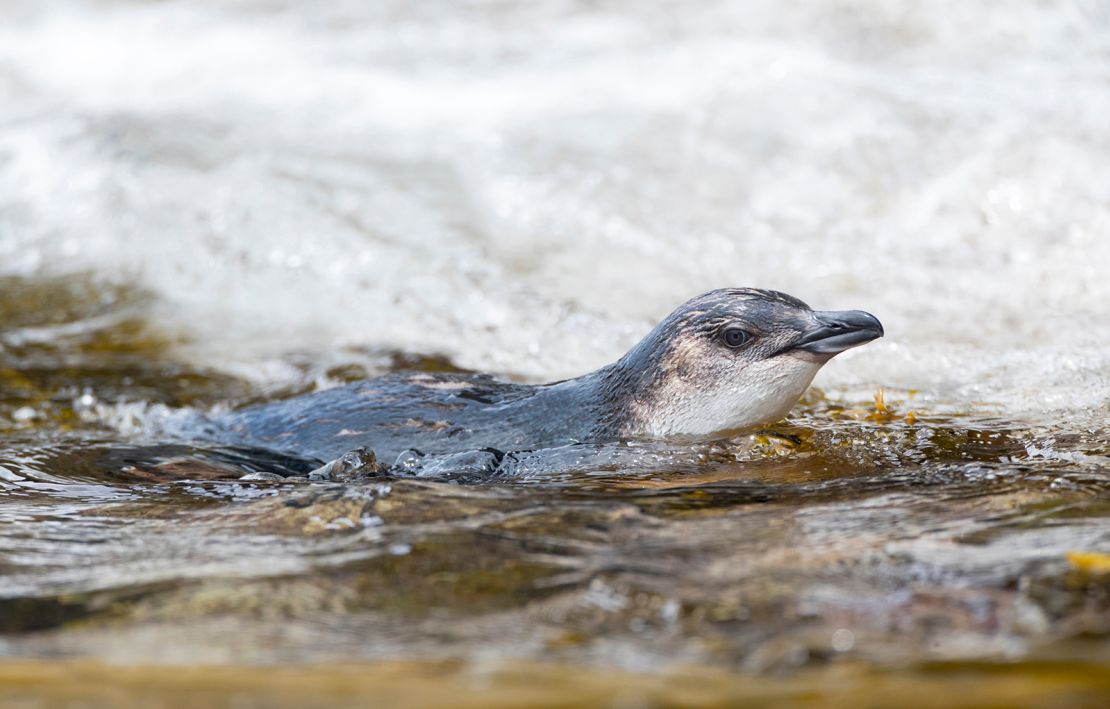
(360, 463)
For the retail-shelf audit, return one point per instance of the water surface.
(205, 205)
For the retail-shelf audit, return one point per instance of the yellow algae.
(1090, 562)
(882, 412)
(879, 411)
(880, 402)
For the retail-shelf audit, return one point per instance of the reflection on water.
(853, 531)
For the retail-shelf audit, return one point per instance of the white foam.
(526, 188)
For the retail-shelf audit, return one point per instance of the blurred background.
(526, 187)
(204, 203)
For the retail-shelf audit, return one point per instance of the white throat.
(763, 394)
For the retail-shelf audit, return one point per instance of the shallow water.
(855, 531)
(205, 205)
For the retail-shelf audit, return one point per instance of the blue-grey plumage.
(725, 361)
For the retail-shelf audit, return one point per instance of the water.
(204, 205)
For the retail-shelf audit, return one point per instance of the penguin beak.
(833, 331)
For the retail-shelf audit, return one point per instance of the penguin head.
(733, 359)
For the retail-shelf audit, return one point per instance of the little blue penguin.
(727, 361)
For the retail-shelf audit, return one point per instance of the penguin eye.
(735, 337)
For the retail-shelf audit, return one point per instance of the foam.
(526, 189)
